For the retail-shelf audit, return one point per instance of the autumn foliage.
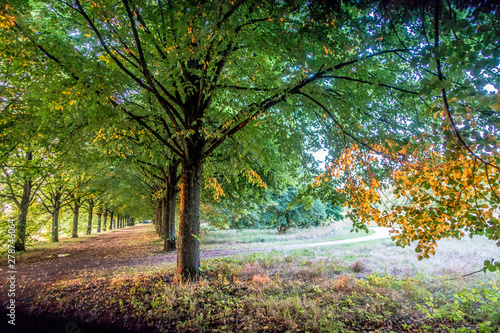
(423, 196)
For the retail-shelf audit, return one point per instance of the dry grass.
(455, 257)
(213, 236)
(358, 266)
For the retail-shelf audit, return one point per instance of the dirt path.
(104, 254)
(380, 232)
(100, 255)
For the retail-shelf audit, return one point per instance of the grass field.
(255, 238)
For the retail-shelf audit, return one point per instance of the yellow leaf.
(105, 59)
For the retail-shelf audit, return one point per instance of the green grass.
(253, 238)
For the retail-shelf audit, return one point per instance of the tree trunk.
(99, 216)
(111, 221)
(91, 211)
(188, 255)
(20, 242)
(169, 240)
(76, 214)
(105, 219)
(283, 228)
(159, 218)
(163, 220)
(55, 224)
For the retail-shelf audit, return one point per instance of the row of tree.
(37, 181)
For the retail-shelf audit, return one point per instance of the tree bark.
(159, 218)
(55, 223)
(169, 240)
(105, 219)
(111, 221)
(163, 220)
(188, 255)
(76, 215)
(99, 216)
(20, 243)
(91, 211)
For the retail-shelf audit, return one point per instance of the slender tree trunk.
(159, 218)
(170, 241)
(105, 219)
(76, 215)
(20, 243)
(111, 221)
(163, 220)
(20, 240)
(91, 211)
(99, 216)
(55, 223)
(188, 255)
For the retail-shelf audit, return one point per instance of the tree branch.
(106, 48)
(368, 82)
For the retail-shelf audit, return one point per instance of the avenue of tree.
(217, 100)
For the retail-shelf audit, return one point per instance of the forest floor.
(121, 281)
